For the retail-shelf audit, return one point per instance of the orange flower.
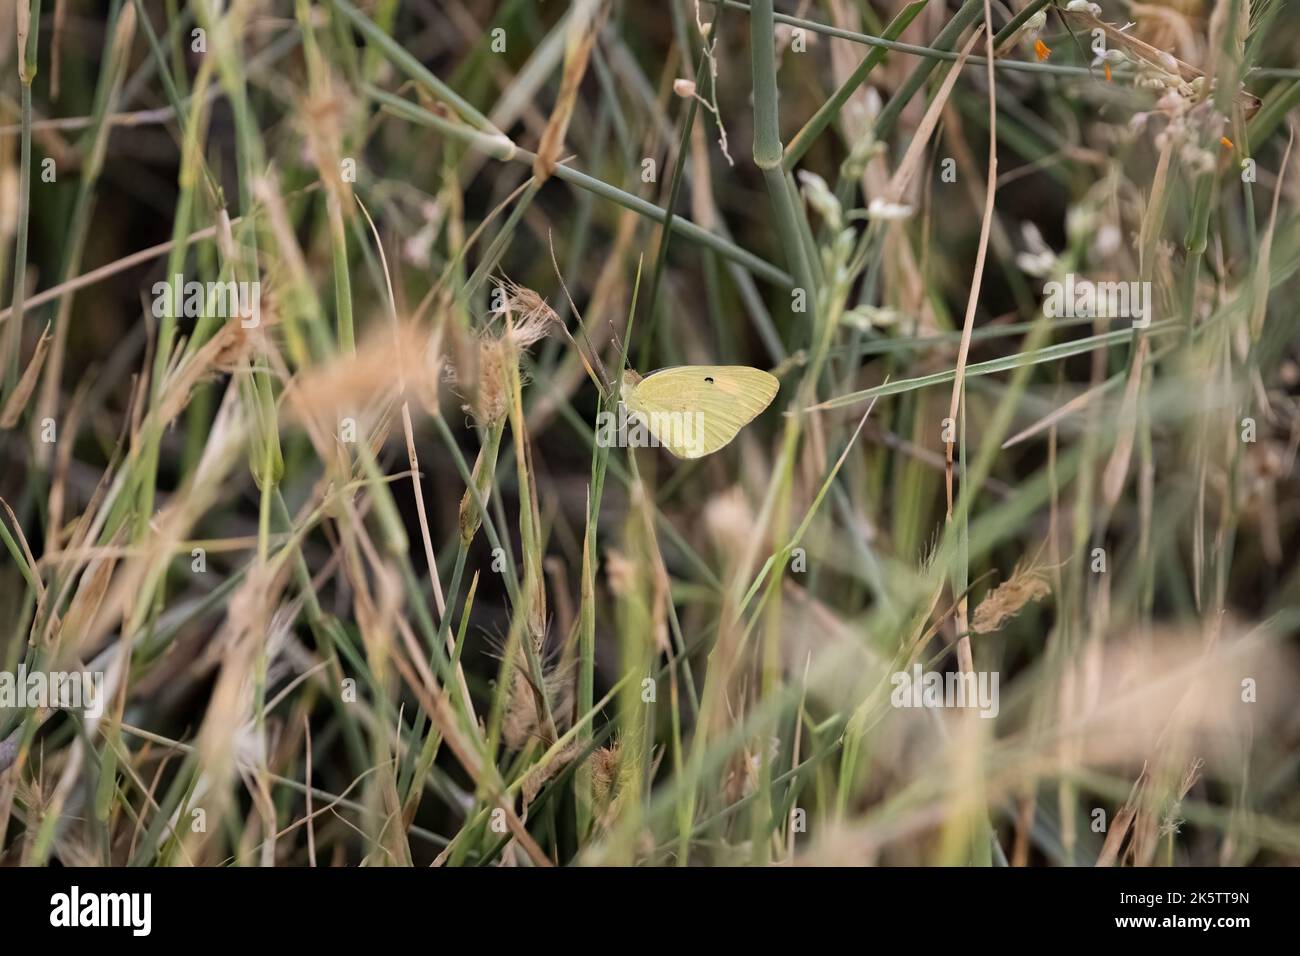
(1227, 143)
(1042, 50)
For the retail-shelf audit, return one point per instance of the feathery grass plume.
(544, 771)
(604, 763)
(1150, 697)
(614, 771)
(522, 318)
(1027, 583)
(525, 319)
(521, 722)
(729, 520)
(361, 384)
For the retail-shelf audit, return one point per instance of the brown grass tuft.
(1026, 584)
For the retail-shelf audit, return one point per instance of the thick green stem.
(768, 150)
(762, 45)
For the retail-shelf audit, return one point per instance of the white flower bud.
(880, 208)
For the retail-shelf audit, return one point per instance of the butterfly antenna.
(603, 382)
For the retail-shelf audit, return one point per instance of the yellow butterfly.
(693, 410)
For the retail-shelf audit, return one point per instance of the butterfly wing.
(714, 401)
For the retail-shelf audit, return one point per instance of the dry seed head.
(490, 401)
(520, 722)
(527, 319)
(730, 520)
(541, 773)
(529, 312)
(363, 380)
(604, 773)
(1004, 602)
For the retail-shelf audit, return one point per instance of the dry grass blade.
(915, 155)
(1112, 482)
(585, 19)
(21, 394)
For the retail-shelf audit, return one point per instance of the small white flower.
(1028, 34)
(1107, 242)
(819, 196)
(862, 153)
(1036, 263)
(1080, 222)
(871, 317)
(871, 101)
(880, 208)
(417, 247)
(1038, 259)
(1109, 56)
(1033, 238)
(684, 88)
